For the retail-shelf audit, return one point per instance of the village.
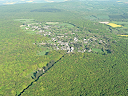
(64, 36)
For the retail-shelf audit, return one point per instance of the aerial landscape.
(63, 48)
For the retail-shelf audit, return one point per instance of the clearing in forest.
(25, 20)
(124, 24)
(96, 50)
(52, 23)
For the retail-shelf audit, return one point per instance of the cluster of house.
(65, 46)
(60, 46)
(57, 43)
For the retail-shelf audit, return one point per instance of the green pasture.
(125, 24)
(47, 30)
(30, 74)
(42, 53)
(96, 50)
(30, 32)
(25, 20)
(66, 24)
(49, 41)
(23, 28)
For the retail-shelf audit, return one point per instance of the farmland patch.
(31, 32)
(66, 25)
(114, 25)
(124, 35)
(25, 20)
(124, 24)
(96, 50)
(42, 53)
(52, 23)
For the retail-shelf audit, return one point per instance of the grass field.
(66, 24)
(22, 27)
(125, 24)
(30, 74)
(52, 23)
(96, 50)
(42, 53)
(30, 32)
(25, 20)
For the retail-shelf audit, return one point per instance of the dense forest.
(78, 49)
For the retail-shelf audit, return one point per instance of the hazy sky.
(46, 1)
(28, 1)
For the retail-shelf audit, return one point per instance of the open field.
(96, 50)
(30, 32)
(52, 23)
(124, 35)
(25, 20)
(124, 24)
(42, 53)
(66, 25)
(114, 25)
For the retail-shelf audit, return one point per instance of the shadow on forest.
(46, 10)
(46, 53)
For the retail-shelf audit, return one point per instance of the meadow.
(96, 50)
(124, 24)
(25, 20)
